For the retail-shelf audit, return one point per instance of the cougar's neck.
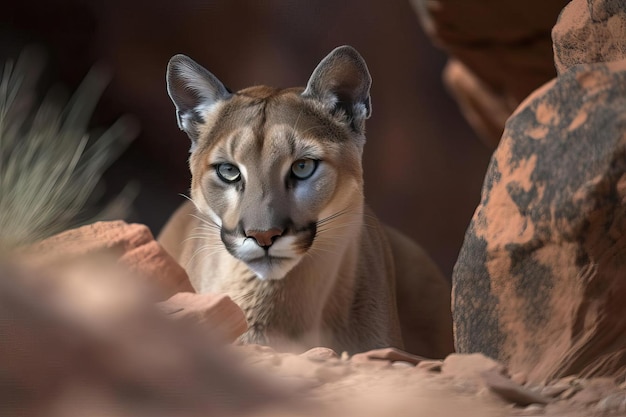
(290, 313)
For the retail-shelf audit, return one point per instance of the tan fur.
(333, 278)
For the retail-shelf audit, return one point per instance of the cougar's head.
(277, 172)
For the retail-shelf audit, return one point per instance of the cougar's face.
(273, 173)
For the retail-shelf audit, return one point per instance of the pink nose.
(264, 238)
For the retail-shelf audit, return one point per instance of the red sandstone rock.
(503, 45)
(594, 390)
(429, 366)
(131, 244)
(387, 354)
(61, 356)
(511, 391)
(589, 32)
(320, 354)
(216, 312)
(539, 280)
(470, 366)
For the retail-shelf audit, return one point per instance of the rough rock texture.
(132, 244)
(590, 32)
(539, 282)
(504, 47)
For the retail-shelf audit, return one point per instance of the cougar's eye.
(228, 172)
(303, 168)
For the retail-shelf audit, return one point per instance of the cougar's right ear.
(193, 89)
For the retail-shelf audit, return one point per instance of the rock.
(217, 312)
(259, 356)
(612, 403)
(54, 363)
(331, 373)
(298, 366)
(538, 282)
(595, 390)
(132, 245)
(502, 45)
(470, 366)
(571, 391)
(532, 410)
(387, 354)
(430, 366)
(554, 391)
(589, 32)
(61, 356)
(320, 354)
(519, 377)
(402, 364)
(511, 391)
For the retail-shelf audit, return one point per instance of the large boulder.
(539, 282)
(501, 52)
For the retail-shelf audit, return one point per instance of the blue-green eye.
(303, 168)
(228, 173)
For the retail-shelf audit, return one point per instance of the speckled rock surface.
(588, 32)
(539, 280)
(504, 47)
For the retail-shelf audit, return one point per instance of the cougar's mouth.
(273, 261)
(267, 258)
(271, 267)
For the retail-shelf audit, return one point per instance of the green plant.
(49, 164)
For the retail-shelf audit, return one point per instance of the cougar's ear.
(193, 89)
(342, 82)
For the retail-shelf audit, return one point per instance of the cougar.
(277, 220)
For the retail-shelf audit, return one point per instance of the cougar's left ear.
(193, 89)
(342, 82)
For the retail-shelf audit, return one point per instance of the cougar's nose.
(264, 238)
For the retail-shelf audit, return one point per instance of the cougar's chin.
(271, 267)
(273, 262)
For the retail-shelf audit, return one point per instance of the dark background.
(423, 164)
